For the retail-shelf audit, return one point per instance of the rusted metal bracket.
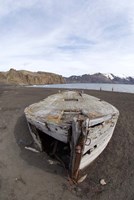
(79, 135)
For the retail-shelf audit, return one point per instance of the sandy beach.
(27, 175)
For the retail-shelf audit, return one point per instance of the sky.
(68, 37)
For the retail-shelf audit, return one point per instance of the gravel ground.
(25, 175)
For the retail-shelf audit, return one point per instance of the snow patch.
(122, 76)
(109, 76)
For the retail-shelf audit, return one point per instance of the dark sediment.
(28, 175)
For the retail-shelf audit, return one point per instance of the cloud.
(67, 37)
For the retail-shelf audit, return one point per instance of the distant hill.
(100, 78)
(22, 77)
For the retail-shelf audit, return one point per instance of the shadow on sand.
(41, 159)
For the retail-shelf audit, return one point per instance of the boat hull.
(77, 126)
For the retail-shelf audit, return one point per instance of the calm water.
(93, 86)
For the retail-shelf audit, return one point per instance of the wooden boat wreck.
(73, 127)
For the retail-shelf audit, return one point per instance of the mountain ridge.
(100, 78)
(23, 77)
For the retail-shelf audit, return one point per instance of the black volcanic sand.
(26, 175)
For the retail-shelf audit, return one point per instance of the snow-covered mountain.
(101, 78)
(109, 76)
(122, 76)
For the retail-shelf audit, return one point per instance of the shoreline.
(125, 88)
(20, 168)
